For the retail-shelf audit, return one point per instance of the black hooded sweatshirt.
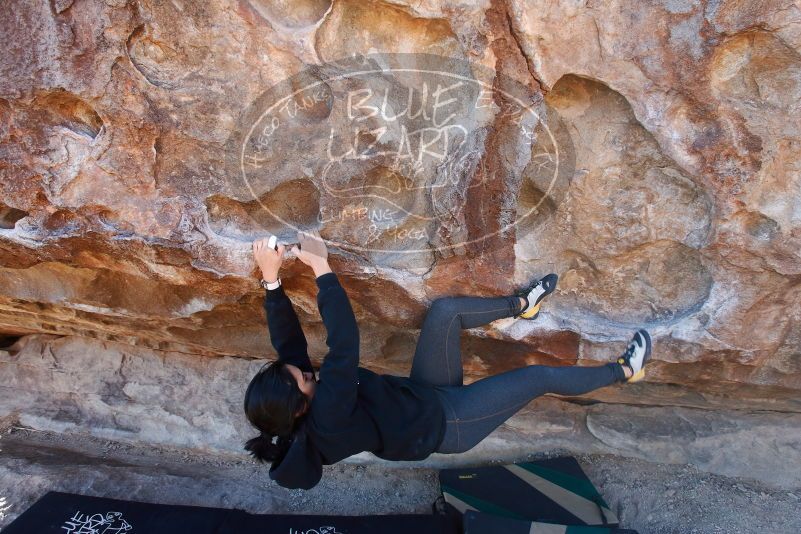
(353, 409)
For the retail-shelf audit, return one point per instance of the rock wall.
(113, 391)
(677, 207)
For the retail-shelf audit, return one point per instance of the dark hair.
(271, 402)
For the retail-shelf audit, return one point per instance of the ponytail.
(266, 448)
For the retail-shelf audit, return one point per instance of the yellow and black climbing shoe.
(535, 294)
(637, 355)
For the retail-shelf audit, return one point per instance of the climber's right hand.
(311, 250)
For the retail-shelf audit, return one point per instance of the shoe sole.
(534, 312)
(641, 373)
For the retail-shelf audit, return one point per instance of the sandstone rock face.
(675, 206)
(114, 391)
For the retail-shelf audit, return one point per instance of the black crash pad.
(481, 523)
(67, 513)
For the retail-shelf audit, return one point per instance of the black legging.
(472, 412)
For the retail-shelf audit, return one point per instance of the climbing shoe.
(534, 295)
(636, 355)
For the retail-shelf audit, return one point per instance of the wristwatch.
(270, 285)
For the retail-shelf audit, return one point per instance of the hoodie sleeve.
(336, 394)
(286, 334)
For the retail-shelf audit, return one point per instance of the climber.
(305, 423)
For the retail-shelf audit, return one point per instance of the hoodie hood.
(301, 467)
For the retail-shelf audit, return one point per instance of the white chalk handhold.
(271, 243)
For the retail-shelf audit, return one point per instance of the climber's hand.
(312, 251)
(268, 258)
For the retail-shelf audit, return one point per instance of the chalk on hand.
(273, 242)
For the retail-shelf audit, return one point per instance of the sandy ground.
(647, 496)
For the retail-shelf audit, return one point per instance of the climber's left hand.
(268, 258)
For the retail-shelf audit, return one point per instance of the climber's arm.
(282, 321)
(286, 334)
(339, 372)
(338, 386)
